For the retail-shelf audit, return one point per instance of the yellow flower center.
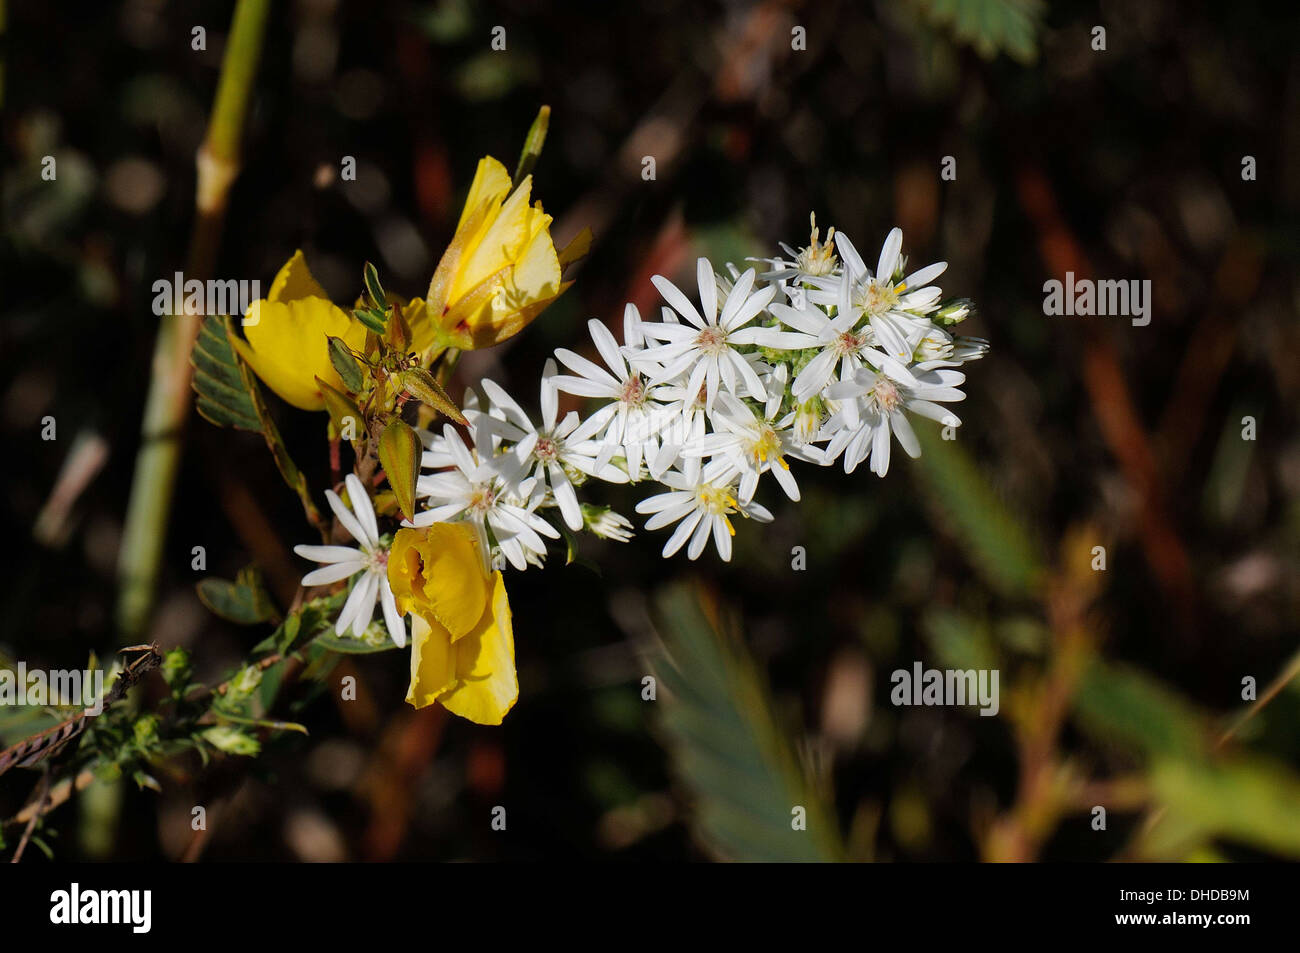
(879, 296)
(718, 501)
(767, 444)
(818, 258)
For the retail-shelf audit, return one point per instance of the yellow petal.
(423, 333)
(537, 270)
(504, 238)
(432, 663)
(287, 346)
(439, 571)
(491, 183)
(295, 281)
(487, 687)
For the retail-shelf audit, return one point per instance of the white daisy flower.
(896, 312)
(842, 343)
(874, 402)
(493, 496)
(371, 559)
(751, 444)
(699, 502)
(816, 260)
(706, 345)
(547, 450)
(629, 424)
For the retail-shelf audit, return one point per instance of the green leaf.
(1124, 707)
(727, 747)
(340, 407)
(220, 395)
(399, 454)
(348, 367)
(998, 546)
(424, 386)
(991, 26)
(231, 740)
(1250, 800)
(244, 603)
(374, 319)
(373, 288)
(227, 395)
(960, 641)
(375, 639)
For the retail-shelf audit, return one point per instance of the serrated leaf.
(221, 397)
(727, 746)
(399, 454)
(998, 546)
(1124, 707)
(991, 26)
(227, 395)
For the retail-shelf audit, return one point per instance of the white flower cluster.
(818, 359)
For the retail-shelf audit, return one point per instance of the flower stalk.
(168, 402)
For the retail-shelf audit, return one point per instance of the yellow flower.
(287, 333)
(500, 270)
(462, 644)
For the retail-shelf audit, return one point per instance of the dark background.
(1123, 163)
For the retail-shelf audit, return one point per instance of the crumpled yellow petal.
(474, 677)
(438, 572)
(433, 668)
(287, 348)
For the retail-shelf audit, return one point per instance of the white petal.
(392, 618)
(331, 573)
(329, 554)
(350, 522)
(362, 507)
(681, 304)
(889, 255)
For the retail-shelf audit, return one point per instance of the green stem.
(167, 405)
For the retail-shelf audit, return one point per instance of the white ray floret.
(874, 405)
(491, 495)
(370, 558)
(699, 501)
